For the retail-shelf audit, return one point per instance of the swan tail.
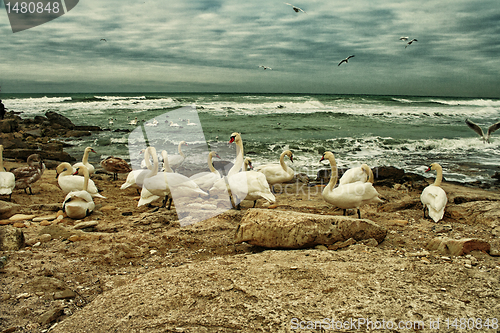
(268, 196)
(97, 195)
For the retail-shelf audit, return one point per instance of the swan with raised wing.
(348, 196)
(68, 181)
(278, 173)
(359, 174)
(7, 179)
(79, 204)
(433, 197)
(85, 161)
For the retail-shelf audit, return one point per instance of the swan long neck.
(369, 173)
(85, 158)
(166, 166)
(179, 149)
(210, 163)
(334, 175)
(282, 161)
(155, 161)
(1, 159)
(85, 178)
(239, 157)
(146, 159)
(439, 176)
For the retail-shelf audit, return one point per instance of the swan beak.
(291, 158)
(217, 155)
(92, 150)
(231, 140)
(76, 172)
(322, 158)
(428, 169)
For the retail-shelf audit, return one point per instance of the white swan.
(168, 184)
(278, 173)
(191, 124)
(143, 162)
(136, 178)
(176, 161)
(205, 180)
(69, 182)
(479, 131)
(433, 197)
(7, 179)
(247, 164)
(172, 124)
(85, 161)
(133, 122)
(359, 174)
(348, 196)
(249, 185)
(27, 175)
(79, 204)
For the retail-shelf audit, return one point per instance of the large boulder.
(457, 247)
(56, 118)
(7, 209)
(8, 125)
(293, 230)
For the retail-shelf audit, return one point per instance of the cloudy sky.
(218, 45)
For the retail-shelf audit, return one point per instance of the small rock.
(19, 225)
(11, 239)
(45, 223)
(45, 238)
(341, 245)
(495, 253)
(321, 247)
(370, 242)
(88, 224)
(4, 297)
(23, 295)
(8, 209)
(44, 218)
(50, 316)
(61, 213)
(468, 266)
(457, 247)
(21, 217)
(74, 238)
(65, 294)
(107, 208)
(442, 228)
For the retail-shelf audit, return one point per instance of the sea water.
(401, 131)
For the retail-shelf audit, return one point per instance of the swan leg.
(424, 212)
(238, 207)
(345, 212)
(31, 192)
(359, 214)
(169, 203)
(254, 203)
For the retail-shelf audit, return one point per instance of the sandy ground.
(82, 281)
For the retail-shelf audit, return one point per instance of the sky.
(218, 46)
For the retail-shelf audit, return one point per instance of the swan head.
(214, 154)
(433, 166)
(289, 154)
(248, 162)
(327, 155)
(89, 149)
(63, 167)
(234, 137)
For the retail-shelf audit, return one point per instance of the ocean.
(401, 131)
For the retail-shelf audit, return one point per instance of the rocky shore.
(295, 266)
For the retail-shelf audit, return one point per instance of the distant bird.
(115, 165)
(346, 60)
(409, 43)
(403, 38)
(103, 40)
(111, 122)
(479, 131)
(172, 124)
(297, 9)
(265, 67)
(133, 122)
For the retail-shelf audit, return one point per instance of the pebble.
(4, 297)
(65, 294)
(19, 225)
(61, 213)
(107, 208)
(88, 224)
(45, 238)
(321, 247)
(45, 223)
(73, 238)
(23, 295)
(44, 218)
(21, 217)
(468, 266)
(37, 244)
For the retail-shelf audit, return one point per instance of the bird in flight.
(479, 131)
(265, 67)
(409, 43)
(297, 9)
(403, 38)
(103, 40)
(346, 60)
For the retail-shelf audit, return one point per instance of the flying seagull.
(103, 40)
(479, 131)
(297, 9)
(403, 38)
(413, 40)
(346, 60)
(265, 67)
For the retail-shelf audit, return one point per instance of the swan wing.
(493, 128)
(7, 182)
(353, 175)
